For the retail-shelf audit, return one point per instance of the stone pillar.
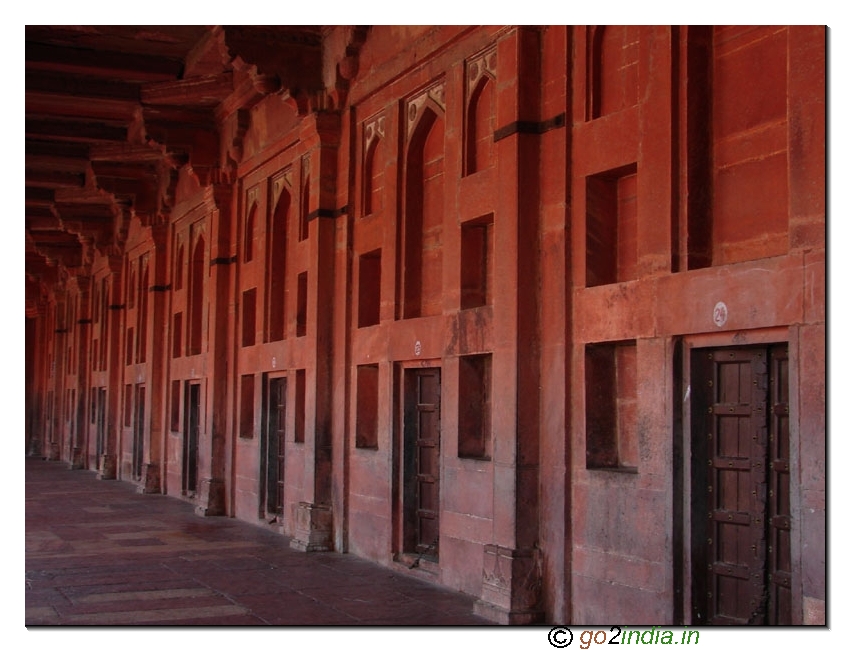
(211, 494)
(512, 581)
(150, 480)
(107, 467)
(314, 518)
(211, 498)
(313, 527)
(77, 458)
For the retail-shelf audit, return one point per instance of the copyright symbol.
(560, 637)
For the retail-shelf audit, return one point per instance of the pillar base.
(107, 468)
(210, 498)
(35, 447)
(53, 452)
(512, 586)
(313, 528)
(77, 460)
(150, 480)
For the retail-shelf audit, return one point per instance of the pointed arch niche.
(480, 114)
(373, 166)
(196, 296)
(420, 266)
(276, 259)
(613, 74)
(250, 228)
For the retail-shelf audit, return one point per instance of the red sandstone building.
(537, 311)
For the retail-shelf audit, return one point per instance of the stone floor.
(98, 553)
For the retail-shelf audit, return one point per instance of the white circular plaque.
(417, 348)
(720, 314)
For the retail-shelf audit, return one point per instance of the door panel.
(733, 485)
(139, 432)
(191, 434)
(422, 461)
(101, 423)
(275, 447)
(779, 495)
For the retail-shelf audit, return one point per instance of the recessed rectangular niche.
(367, 407)
(175, 405)
(128, 405)
(246, 407)
(249, 317)
(300, 403)
(128, 350)
(474, 406)
(476, 262)
(177, 335)
(369, 289)
(610, 389)
(611, 237)
(301, 306)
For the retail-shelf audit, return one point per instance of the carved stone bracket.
(313, 528)
(512, 586)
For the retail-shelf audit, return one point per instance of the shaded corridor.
(98, 553)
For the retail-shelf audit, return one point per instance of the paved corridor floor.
(98, 553)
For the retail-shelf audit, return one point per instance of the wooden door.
(191, 434)
(779, 494)
(100, 419)
(422, 461)
(275, 457)
(735, 482)
(139, 432)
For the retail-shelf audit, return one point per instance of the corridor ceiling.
(113, 112)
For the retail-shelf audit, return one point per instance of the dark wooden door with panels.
(740, 486)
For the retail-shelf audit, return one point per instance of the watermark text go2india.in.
(561, 637)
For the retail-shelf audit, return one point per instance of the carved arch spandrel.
(434, 98)
(373, 136)
(479, 111)
(281, 181)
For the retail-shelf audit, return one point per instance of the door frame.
(265, 439)
(185, 445)
(401, 553)
(681, 353)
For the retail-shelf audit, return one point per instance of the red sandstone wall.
(568, 188)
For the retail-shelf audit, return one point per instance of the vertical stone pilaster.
(313, 518)
(511, 581)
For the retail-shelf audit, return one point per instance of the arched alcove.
(479, 126)
(276, 269)
(196, 297)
